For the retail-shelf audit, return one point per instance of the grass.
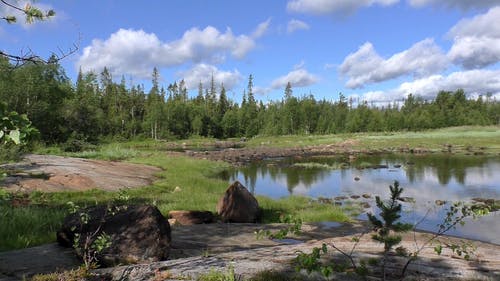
(461, 137)
(200, 187)
(300, 207)
(28, 226)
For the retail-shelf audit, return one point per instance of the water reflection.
(425, 178)
(446, 170)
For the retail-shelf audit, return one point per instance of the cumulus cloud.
(294, 25)
(203, 73)
(461, 4)
(474, 82)
(476, 40)
(324, 7)
(135, 52)
(367, 66)
(297, 78)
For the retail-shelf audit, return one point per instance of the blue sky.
(374, 50)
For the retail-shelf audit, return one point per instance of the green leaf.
(438, 249)
(1, 134)
(10, 19)
(15, 136)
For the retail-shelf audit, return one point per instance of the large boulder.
(191, 217)
(238, 205)
(136, 233)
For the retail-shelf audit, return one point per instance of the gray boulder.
(137, 233)
(238, 205)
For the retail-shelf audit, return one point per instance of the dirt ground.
(51, 173)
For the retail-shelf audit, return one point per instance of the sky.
(374, 50)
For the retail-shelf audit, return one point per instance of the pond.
(425, 178)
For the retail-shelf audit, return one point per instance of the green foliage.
(96, 106)
(311, 262)
(390, 213)
(293, 227)
(14, 128)
(215, 275)
(388, 226)
(27, 226)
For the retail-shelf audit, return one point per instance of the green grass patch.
(28, 226)
(300, 207)
(460, 137)
(111, 152)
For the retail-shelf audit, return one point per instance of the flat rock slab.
(15, 265)
(51, 173)
(278, 257)
(198, 249)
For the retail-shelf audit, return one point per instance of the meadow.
(36, 220)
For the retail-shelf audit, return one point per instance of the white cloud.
(294, 25)
(328, 66)
(324, 7)
(300, 65)
(476, 40)
(136, 52)
(203, 73)
(474, 83)
(261, 29)
(297, 78)
(366, 66)
(462, 4)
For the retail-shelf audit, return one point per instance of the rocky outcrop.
(136, 233)
(191, 217)
(238, 205)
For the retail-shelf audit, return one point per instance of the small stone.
(407, 199)
(355, 196)
(324, 200)
(365, 205)
(366, 196)
(356, 178)
(440, 202)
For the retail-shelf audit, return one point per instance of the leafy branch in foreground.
(14, 128)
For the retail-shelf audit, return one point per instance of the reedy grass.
(28, 226)
(199, 189)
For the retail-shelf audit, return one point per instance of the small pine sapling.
(388, 226)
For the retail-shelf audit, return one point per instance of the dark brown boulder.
(238, 205)
(191, 217)
(137, 233)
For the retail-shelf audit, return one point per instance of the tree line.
(96, 106)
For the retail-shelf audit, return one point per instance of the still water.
(425, 178)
